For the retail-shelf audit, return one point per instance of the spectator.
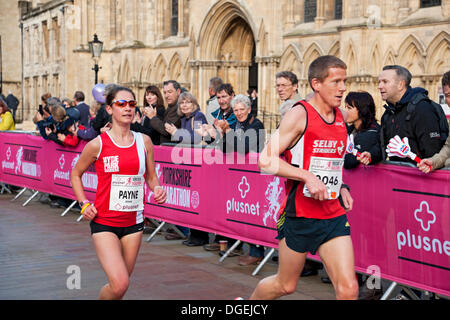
(45, 119)
(152, 100)
(172, 91)
(191, 118)
(102, 120)
(43, 109)
(254, 101)
(364, 129)
(63, 130)
(441, 159)
(225, 93)
(248, 136)
(212, 103)
(7, 120)
(287, 86)
(421, 126)
(242, 139)
(82, 107)
(89, 133)
(68, 103)
(12, 103)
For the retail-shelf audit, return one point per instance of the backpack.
(443, 124)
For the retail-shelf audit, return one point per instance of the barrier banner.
(22, 158)
(399, 222)
(208, 194)
(32, 162)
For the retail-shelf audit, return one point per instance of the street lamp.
(96, 47)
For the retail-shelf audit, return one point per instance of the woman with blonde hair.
(7, 120)
(191, 118)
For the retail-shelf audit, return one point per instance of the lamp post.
(96, 47)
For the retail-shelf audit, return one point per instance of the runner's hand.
(90, 213)
(316, 188)
(347, 199)
(159, 194)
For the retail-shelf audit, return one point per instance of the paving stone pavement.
(38, 248)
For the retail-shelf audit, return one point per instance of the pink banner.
(234, 200)
(399, 222)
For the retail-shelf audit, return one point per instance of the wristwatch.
(82, 203)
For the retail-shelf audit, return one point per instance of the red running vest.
(320, 139)
(114, 159)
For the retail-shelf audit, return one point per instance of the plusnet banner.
(399, 222)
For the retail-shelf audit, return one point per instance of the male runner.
(314, 136)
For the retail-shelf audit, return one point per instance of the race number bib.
(329, 171)
(127, 193)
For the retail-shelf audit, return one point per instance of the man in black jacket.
(172, 91)
(421, 126)
(82, 107)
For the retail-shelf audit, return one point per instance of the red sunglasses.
(124, 103)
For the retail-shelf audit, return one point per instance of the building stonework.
(246, 42)
(10, 58)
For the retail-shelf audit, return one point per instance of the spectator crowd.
(230, 123)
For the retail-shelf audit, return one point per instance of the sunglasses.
(124, 103)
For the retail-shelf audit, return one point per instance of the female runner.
(123, 161)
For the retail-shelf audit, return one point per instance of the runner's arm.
(88, 156)
(291, 128)
(150, 176)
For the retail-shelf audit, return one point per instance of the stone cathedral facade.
(246, 42)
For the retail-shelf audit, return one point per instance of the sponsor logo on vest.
(111, 164)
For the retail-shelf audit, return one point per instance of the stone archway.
(235, 55)
(226, 48)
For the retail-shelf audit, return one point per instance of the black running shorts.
(118, 231)
(307, 235)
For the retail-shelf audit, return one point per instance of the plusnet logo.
(426, 218)
(241, 207)
(63, 175)
(6, 164)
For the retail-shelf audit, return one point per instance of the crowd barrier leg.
(68, 208)
(177, 230)
(30, 198)
(395, 288)
(20, 193)
(4, 188)
(155, 232)
(261, 264)
(79, 218)
(229, 250)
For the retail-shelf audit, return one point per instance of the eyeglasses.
(283, 86)
(124, 103)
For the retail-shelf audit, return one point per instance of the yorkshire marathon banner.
(399, 222)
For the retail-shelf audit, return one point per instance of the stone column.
(181, 21)
(320, 14)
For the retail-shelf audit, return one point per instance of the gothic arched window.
(429, 3)
(310, 10)
(174, 18)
